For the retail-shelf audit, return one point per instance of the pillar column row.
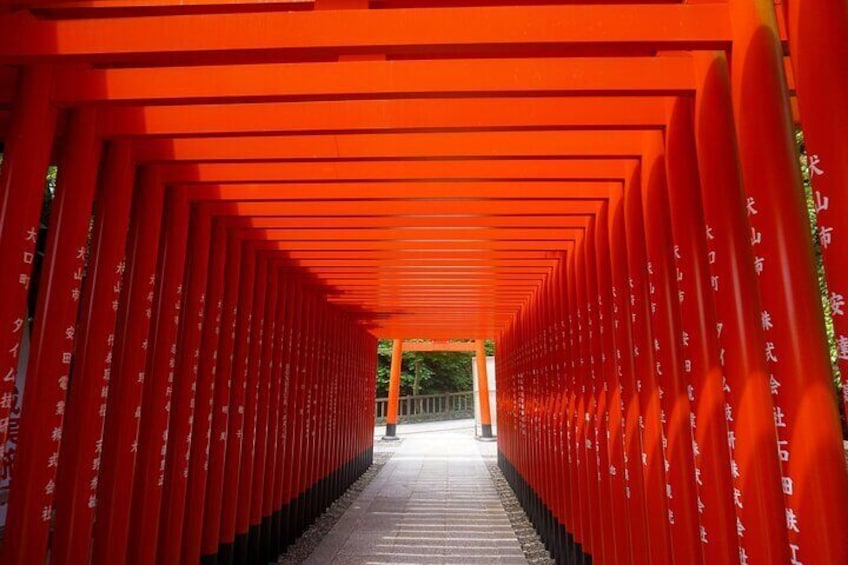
(650, 408)
(189, 395)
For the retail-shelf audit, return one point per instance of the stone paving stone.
(433, 502)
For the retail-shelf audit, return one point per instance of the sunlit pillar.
(757, 501)
(700, 347)
(575, 485)
(653, 456)
(483, 389)
(394, 390)
(813, 476)
(607, 315)
(667, 343)
(595, 423)
(818, 43)
(626, 371)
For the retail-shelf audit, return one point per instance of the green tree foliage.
(438, 372)
(814, 230)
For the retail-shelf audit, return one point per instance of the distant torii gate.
(476, 347)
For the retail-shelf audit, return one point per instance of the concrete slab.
(433, 502)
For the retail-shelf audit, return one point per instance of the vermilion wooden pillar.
(303, 425)
(637, 503)
(550, 498)
(297, 459)
(598, 463)
(307, 429)
(293, 420)
(324, 444)
(267, 394)
(206, 390)
(182, 412)
(324, 396)
(580, 414)
(668, 363)
(334, 460)
(235, 426)
(279, 389)
(608, 320)
(159, 383)
(564, 424)
(54, 333)
(394, 389)
(532, 472)
(814, 479)
(556, 538)
(564, 477)
(223, 384)
(573, 417)
(483, 389)
(817, 41)
(201, 429)
(700, 347)
(26, 156)
(286, 417)
(326, 456)
(761, 526)
(90, 375)
(347, 350)
(248, 451)
(80, 457)
(653, 458)
(123, 412)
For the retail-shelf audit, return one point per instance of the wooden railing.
(429, 407)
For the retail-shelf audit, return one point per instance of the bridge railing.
(428, 407)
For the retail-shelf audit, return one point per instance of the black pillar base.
(557, 539)
(265, 538)
(274, 543)
(285, 520)
(266, 541)
(240, 549)
(254, 554)
(225, 553)
(391, 432)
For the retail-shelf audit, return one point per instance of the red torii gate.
(477, 347)
(619, 204)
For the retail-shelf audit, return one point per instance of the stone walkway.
(433, 502)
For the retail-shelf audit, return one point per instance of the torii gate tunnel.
(250, 192)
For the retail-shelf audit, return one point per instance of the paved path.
(433, 502)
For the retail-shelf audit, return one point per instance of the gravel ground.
(310, 539)
(532, 546)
